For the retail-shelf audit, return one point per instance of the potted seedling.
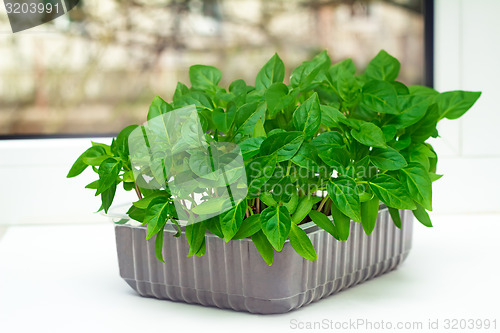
(264, 198)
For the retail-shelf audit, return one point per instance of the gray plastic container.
(234, 276)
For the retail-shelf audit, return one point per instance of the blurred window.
(97, 68)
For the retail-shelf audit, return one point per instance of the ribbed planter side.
(234, 276)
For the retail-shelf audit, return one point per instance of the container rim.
(120, 219)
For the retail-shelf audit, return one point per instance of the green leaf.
(412, 108)
(396, 218)
(263, 246)
(348, 88)
(202, 250)
(272, 72)
(379, 96)
(301, 243)
(401, 89)
(330, 116)
(107, 148)
(259, 129)
(211, 206)
(304, 75)
(307, 117)
(213, 225)
(120, 146)
(418, 183)
(433, 159)
(330, 148)
(93, 186)
(277, 98)
(292, 204)
(95, 161)
(247, 117)
(249, 227)
(180, 90)
(307, 157)
(224, 119)
(156, 215)
(342, 223)
(335, 157)
(322, 221)
(79, 166)
(197, 98)
(383, 67)
(231, 220)
(342, 191)
(387, 159)
(267, 199)
(282, 190)
(136, 214)
(389, 131)
(453, 104)
(365, 196)
(259, 171)
(422, 216)
(144, 202)
(275, 223)
(303, 209)
(402, 142)
(238, 87)
(157, 108)
(276, 131)
(251, 147)
(204, 77)
(346, 65)
(434, 176)
(107, 197)
(425, 127)
(369, 212)
(391, 192)
(418, 90)
(108, 172)
(195, 235)
(370, 135)
(159, 245)
(204, 165)
(285, 145)
(328, 140)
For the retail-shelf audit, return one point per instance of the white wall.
(467, 51)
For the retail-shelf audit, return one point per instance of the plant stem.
(288, 168)
(138, 192)
(328, 207)
(257, 204)
(322, 203)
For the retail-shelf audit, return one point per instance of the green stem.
(322, 203)
(288, 168)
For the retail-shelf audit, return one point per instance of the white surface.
(65, 279)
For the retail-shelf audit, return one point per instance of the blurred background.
(97, 68)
